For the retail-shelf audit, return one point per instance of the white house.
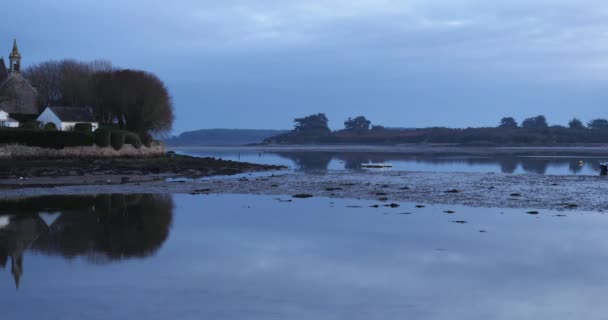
(65, 118)
(6, 121)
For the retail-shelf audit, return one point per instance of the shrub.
(133, 139)
(146, 139)
(50, 126)
(102, 137)
(30, 125)
(45, 139)
(83, 127)
(117, 139)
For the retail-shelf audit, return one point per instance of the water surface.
(554, 164)
(261, 257)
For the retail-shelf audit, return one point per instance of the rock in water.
(303, 196)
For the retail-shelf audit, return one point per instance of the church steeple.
(15, 58)
(17, 269)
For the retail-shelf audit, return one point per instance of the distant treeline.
(532, 131)
(221, 137)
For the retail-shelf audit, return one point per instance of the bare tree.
(138, 100)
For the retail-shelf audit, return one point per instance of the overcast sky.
(407, 63)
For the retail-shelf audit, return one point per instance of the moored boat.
(376, 165)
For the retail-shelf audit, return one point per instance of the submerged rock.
(303, 196)
(392, 205)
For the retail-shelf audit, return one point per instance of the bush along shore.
(21, 152)
(78, 143)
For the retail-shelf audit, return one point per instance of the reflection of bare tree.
(575, 166)
(533, 165)
(508, 164)
(101, 228)
(309, 161)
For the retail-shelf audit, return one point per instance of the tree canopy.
(313, 124)
(576, 124)
(598, 124)
(508, 122)
(137, 100)
(360, 124)
(538, 122)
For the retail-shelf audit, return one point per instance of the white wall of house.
(6, 121)
(49, 116)
(9, 124)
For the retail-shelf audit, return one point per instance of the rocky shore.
(24, 173)
(583, 193)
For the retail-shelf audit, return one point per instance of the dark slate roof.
(73, 114)
(3, 71)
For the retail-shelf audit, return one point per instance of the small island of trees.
(314, 129)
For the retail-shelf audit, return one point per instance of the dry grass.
(13, 152)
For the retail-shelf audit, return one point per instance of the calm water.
(255, 257)
(322, 161)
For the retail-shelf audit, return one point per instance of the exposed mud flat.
(95, 171)
(583, 193)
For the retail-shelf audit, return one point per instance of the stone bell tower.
(15, 59)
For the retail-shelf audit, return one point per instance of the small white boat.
(376, 165)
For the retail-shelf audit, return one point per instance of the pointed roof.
(15, 52)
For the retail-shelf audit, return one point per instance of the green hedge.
(117, 139)
(49, 138)
(83, 127)
(45, 138)
(103, 137)
(133, 139)
(50, 126)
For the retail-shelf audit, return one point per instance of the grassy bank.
(18, 152)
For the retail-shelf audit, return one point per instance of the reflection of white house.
(6, 121)
(65, 118)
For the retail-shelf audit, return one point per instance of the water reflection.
(323, 161)
(256, 257)
(101, 228)
(319, 162)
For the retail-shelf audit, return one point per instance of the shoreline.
(429, 149)
(524, 191)
(53, 172)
